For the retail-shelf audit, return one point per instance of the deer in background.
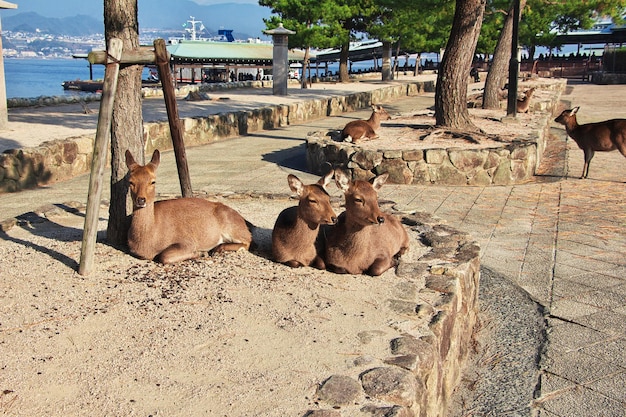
(523, 104)
(605, 136)
(357, 130)
(296, 229)
(365, 240)
(170, 231)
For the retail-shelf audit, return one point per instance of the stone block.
(399, 172)
(435, 156)
(340, 390)
(468, 160)
(367, 159)
(392, 384)
(413, 155)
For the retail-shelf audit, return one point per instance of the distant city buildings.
(43, 45)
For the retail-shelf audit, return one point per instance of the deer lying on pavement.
(170, 231)
(523, 104)
(365, 240)
(357, 130)
(296, 229)
(605, 136)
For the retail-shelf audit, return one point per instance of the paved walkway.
(559, 238)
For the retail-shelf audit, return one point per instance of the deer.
(605, 136)
(523, 104)
(357, 130)
(296, 229)
(171, 231)
(364, 240)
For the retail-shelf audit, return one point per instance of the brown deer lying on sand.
(175, 230)
(295, 231)
(365, 240)
(605, 136)
(523, 104)
(357, 130)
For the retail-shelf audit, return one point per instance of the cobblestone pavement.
(559, 238)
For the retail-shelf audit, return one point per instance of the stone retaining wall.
(423, 368)
(59, 160)
(513, 162)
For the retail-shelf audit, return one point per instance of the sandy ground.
(231, 335)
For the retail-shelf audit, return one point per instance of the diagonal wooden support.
(176, 129)
(98, 163)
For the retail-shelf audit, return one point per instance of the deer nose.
(333, 220)
(140, 202)
(380, 219)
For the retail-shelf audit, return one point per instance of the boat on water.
(89, 86)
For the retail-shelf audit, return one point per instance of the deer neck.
(304, 226)
(143, 217)
(374, 120)
(571, 125)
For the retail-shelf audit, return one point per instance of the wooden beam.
(176, 130)
(142, 55)
(98, 164)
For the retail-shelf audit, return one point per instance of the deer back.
(174, 230)
(365, 240)
(296, 229)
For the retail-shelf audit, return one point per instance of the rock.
(392, 384)
(339, 390)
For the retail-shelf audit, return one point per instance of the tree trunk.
(344, 54)
(387, 72)
(305, 65)
(499, 70)
(120, 21)
(452, 77)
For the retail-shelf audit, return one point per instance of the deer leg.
(293, 263)
(379, 266)
(230, 247)
(588, 156)
(318, 263)
(176, 253)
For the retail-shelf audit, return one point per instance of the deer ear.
(342, 180)
(295, 184)
(130, 161)
(156, 158)
(325, 180)
(575, 110)
(380, 180)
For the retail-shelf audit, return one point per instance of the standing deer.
(605, 136)
(365, 240)
(296, 229)
(523, 104)
(170, 231)
(357, 130)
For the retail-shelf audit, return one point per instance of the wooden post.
(98, 164)
(163, 66)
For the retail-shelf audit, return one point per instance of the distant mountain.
(79, 17)
(79, 25)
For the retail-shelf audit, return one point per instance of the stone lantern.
(4, 115)
(280, 59)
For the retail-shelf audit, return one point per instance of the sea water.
(32, 77)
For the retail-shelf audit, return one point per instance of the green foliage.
(420, 26)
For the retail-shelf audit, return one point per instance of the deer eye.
(152, 182)
(312, 201)
(358, 200)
